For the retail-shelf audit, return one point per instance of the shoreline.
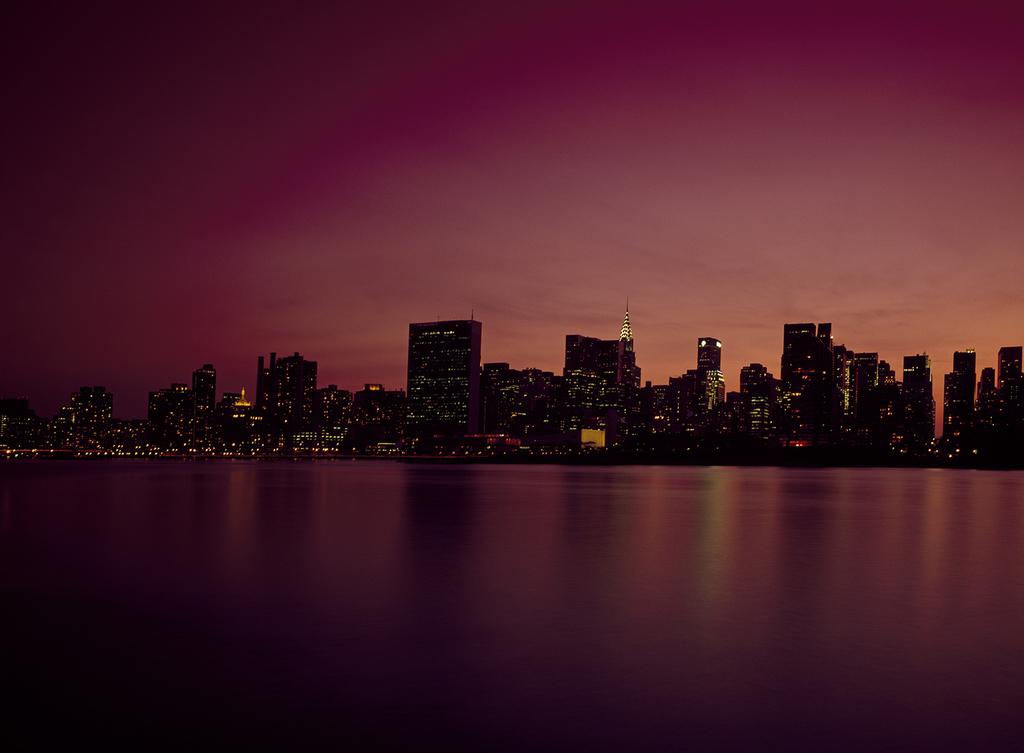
(776, 460)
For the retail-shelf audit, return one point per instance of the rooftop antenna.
(472, 315)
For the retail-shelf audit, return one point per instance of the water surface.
(385, 606)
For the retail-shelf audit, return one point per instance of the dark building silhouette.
(1009, 367)
(757, 402)
(85, 423)
(540, 398)
(865, 399)
(709, 354)
(591, 395)
(519, 403)
(709, 387)
(809, 391)
(987, 392)
(628, 380)
(601, 385)
(890, 430)
(1010, 376)
(501, 388)
(1011, 387)
(958, 391)
(332, 412)
(919, 402)
(652, 402)
(681, 397)
(378, 419)
(843, 367)
(444, 380)
(265, 394)
(171, 412)
(293, 387)
(987, 406)
(204, 393)
(204, 389)
(20, 427)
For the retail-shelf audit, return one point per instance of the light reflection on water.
(504, 607)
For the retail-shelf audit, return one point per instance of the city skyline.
(178, 196)
(250, 384)
(820, 396)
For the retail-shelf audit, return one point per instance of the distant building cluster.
(826, 396)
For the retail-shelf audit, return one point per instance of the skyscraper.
(293, 383)
(958, 394)
(20, 427)
(90, 416)
(601, 384)
(265, 394)
(204, 389)
(710, 382)
(709, 353)
(1011, 388)
(378, 419)
(809, 390)
(919, 402)
(757, 402)
(332, 409)
(1009, 366)
(987, 386)
(987, 406)
(503, 398)
(591, 370)
(171, 415)
(444, 380)
(628, 378)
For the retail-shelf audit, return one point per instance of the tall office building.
(680, 403)
(378, 418)
(864, 398)
(171, 414)
(843, 367)
(709, 353)
(987, 386)
(590, 388)
(919, 402)
(444, 380)
(601, 384)
(20, 427)
(958, 394)
(1009, 366)
(710, 382)
(503, 397)
(757, 402)
(90, 416)
(204, 389)
(1011, 387)
(628, 379)
(540, 402)
(266, 396)
(332, 409)
(810, 394)
(293, 381)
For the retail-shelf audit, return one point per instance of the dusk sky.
(207, 185)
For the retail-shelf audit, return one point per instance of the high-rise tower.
(958, 394)
(444, 379)
(919, 401)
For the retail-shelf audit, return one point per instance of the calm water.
(513, 608)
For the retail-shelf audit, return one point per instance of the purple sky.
(205, 185)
